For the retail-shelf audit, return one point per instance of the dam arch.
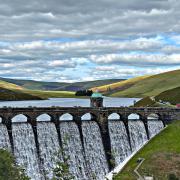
(114, 116)
(20, 118)
(66, 117)
(89, 116)
(134, 116)
(153, 116)
(43, 117)
(86, 116)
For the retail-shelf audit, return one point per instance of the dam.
(95, 140)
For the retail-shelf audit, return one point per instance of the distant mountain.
(59, 86)
(143, 86)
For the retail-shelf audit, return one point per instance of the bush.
(8, 168)
(172, 177)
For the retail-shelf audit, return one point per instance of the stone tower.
(96, 100)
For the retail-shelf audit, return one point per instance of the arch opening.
(134, 116)
(114, 116)
(153, 116)
(19, 118)
(44, 117)
(66, 117)
(88, 116)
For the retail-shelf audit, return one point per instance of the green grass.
(162, 156)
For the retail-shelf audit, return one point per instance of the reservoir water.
(69, 102)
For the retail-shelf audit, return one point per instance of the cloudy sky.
(78, 40)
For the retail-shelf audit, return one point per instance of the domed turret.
(96, 100)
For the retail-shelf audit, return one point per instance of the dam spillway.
(93, 147)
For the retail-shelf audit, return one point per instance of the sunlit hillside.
(143, 86)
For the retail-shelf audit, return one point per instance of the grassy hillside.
(10, 91)
(119, 86)
(151, 102)
(13, 95)
(59, 86)
(147, 101)
(7, 85)
(151, 86)
(142, 86)
(162, 157)
(172, 96)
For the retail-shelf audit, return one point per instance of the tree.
(84, 93)
(9, 170)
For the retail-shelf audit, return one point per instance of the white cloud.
(43, 38)
(137, 59)
(62, 63)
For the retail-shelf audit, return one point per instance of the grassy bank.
(150, 102)
(172, 96)
(167, 98)
(51, 94)
(162, 156)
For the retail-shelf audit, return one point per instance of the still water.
(69, 102)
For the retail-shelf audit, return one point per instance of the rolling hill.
(59, 86)
(13, 95)
(118, 86)
(10, 91)
(143, 86)
(7, 85)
